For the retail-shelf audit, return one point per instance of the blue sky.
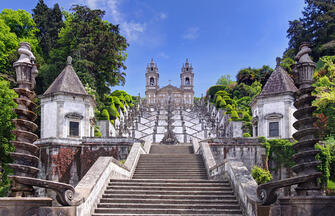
(218, 36)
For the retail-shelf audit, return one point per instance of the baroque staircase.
(171, 180)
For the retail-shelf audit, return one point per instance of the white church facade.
(180, 97)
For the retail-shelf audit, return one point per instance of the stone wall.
(247, 150)
(68, 160)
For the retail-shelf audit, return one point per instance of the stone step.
(170, 192)
(146, 171)
(167, 196)
(172, 158)
(168, 206)
(170, 155)
(174, 168)
(168, 211)
(163, 188)
(169, 201)
(171, 176)
(153, 184)
(112, 214)
(199, 181)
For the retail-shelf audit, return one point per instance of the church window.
(273, 129)
(152, 81)
(186, 69)
(152, 68)
(74, 128)
(187, 81)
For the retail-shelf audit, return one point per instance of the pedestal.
(36, 206)
(307, 206)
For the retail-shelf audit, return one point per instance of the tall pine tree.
(317, 26)
(49, 21)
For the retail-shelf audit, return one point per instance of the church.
(179, 97)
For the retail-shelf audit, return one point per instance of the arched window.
(187, 81)
(152, 81)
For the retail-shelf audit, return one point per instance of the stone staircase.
(171, 180)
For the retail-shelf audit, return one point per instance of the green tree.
(250, 75)
(226, 80)
(49, 22)
(97, 48)
(15, 27)
(325, 93)
(6, 115)
(316, 26)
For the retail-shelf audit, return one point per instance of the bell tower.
(186, 76)
(152, 77)
(186, 83)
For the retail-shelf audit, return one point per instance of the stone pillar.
(60, 120)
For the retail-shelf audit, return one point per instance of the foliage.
(15, 27)
(49, 22)
(212, 91)
(316, 26)
(218, 99)
(281, 152)
(97, 49)
(325, 93)
(325, 157)
(222, 104)
(246, 117)
(97, 132)
(250, 75)
(226, 80)
(6, 115)
(234, 116)
(264, 142)
(246, 135)
(104, 115)
(229, 109)
(260, 175)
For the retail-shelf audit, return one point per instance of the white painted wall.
(54, 109)
(280, 104)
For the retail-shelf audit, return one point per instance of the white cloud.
(163, 55)
(130, 29)
(191, 33)
(162, 16)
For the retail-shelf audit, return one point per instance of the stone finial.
(303, 54)
(69, 60)
(26, 55)
(278, 60)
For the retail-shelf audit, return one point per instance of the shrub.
(218, 99)
(246, 117)
(104, 115)
(113, 113)
(222, 104)
(234, 116)
(246, 135)
(212, 91)
(222, 93)
(260, 175)
(229, 109)
(97, 132)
